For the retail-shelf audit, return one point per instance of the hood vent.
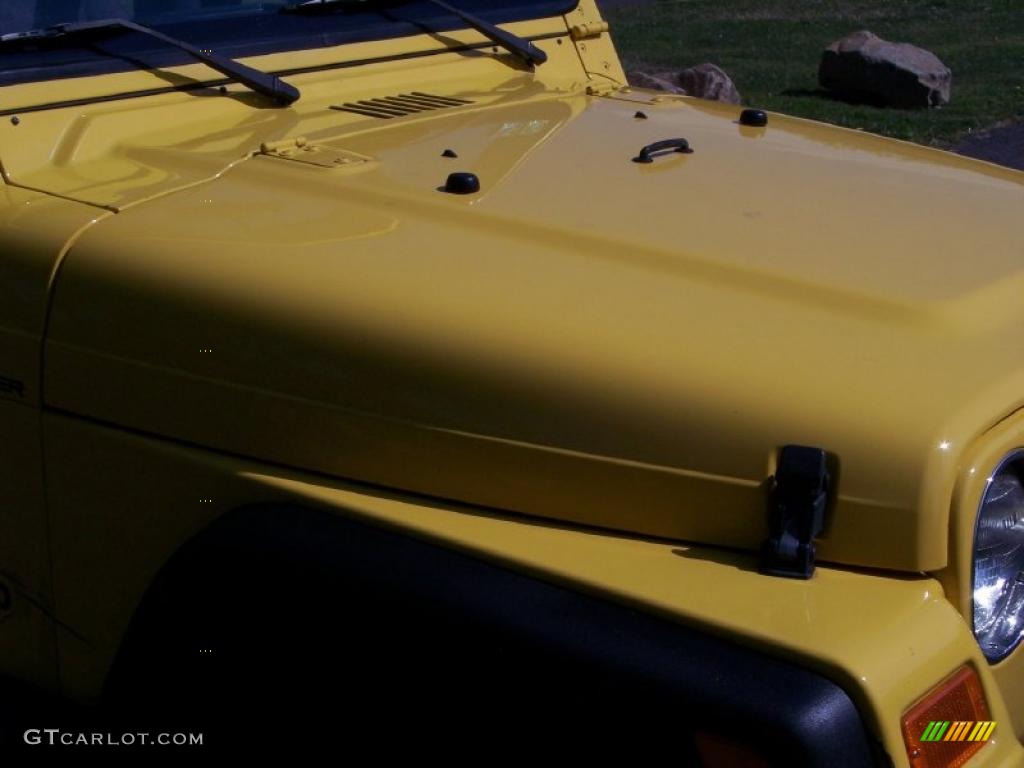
(396, 106)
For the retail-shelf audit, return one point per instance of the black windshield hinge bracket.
(796, 512)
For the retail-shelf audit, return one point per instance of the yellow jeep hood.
(587, 338)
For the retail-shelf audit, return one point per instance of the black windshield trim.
(303, 33)
(200, 84)
(260, 82)
(512, 43)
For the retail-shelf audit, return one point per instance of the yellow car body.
(582, 372)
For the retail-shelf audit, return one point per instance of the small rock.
(864, 66)
(706, 81)
(656, 81)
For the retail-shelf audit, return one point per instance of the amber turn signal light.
(949, 724)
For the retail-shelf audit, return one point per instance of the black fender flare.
(452, 635)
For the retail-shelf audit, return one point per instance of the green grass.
(771, 49)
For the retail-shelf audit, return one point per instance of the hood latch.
(796, 512)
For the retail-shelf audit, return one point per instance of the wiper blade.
(261, 82)
(514, 44)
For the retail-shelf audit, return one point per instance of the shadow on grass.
(822, 94)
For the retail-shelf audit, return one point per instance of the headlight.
(999, 560)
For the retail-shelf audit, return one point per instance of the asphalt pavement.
(1003, 145)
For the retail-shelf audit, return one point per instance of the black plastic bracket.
(796, 512)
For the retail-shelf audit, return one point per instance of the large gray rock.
(864, 66)
(706, 81)
(656, 81)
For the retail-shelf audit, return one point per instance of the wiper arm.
(514, 44)
(261, 82)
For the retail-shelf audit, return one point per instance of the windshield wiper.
(514, 44)
(261, 82)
